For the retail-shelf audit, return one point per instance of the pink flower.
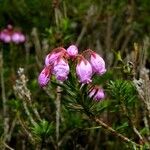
(8, 35)
(51, 58)
(61, 69)
(5, 36)
(97, 93)
(22, 38)
(72, 51)
(18, 37)
(84, 71)
(98, 64)
(9, 27)
(54, 55)
(44, 76)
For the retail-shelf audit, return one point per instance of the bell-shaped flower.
(54, 56)
(18, 37)
(5, 36)
(97, 93)
(61, 69)
(22, 38)
(44, 76)
(8, 35)
(84, 71)
(98, 64)
(72, 51)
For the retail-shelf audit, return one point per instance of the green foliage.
(72, 121)
(122, 90)
(26, 13)
(124, 97)
(42, 130)
(110, 28)
(15, 104)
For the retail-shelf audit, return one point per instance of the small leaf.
(42, 130)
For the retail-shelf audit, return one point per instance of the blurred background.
(119, 30)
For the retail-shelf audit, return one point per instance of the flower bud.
(16, 37)
(61, 69)
(97, 93)
(54, 56)
(44, 76)
(8, 35)
(84, 71)
(98, 64)
(5, 36)
(72, 51)
(9, 27)
(22, 38)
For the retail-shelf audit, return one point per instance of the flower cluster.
(8, 35)
(87, 64)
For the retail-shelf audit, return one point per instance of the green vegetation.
(62, 116)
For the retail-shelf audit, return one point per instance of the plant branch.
(4, 100)
(110, 129)
(7, 146)
(24, 127)
(114, 132)
(58, 112)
